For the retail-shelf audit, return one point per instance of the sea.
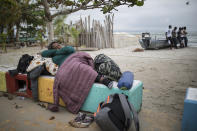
(192, 35)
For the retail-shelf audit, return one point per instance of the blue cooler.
(189, 121)
(99, 93)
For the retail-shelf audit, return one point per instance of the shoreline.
(192, 37)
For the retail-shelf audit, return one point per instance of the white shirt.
(169, 33)
(182, 33)
(185, 33)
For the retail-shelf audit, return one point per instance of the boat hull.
(154, 44)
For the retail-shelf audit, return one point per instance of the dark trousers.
(182, 42)
(185, 41)
(171, 42)
(33, 77)
(175, 41)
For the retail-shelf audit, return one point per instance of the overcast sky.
(155, 15)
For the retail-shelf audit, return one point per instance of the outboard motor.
(146, 38)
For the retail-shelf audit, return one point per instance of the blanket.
(73, 81)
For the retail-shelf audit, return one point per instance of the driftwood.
(138, 50)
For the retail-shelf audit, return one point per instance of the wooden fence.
(94, 34)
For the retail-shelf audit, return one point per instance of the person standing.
(185, 36)
(174, 37)
(179, 36)
(169, 36)
(182, 38)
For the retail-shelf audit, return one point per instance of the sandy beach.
(165, 73)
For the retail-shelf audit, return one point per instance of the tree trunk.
(17, 32)
(50, 31)
(1, 29)
(49, 20)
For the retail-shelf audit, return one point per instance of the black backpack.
(116, 114)
(24, 62)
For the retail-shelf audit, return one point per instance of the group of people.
(177, 36)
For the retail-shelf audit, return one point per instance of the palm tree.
(75, 34)
(60, 27)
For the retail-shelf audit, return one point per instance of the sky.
(155, 15)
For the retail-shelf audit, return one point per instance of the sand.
(165, 73)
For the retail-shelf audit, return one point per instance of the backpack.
(24, 62)
(105, 66)
(116, 114)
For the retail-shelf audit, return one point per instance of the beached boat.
(147, 42)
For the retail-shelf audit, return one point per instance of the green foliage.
(9, 12)
(74, 33)
(106, 6)
(81, 1)
(15, 12)
(59, 25)
(21, 12)
(31, 14)
(60, 28)
(69, 3)
(107, 9)
(40, 35)
(140, 3)
(3, 38)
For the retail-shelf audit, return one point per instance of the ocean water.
(192, 36)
